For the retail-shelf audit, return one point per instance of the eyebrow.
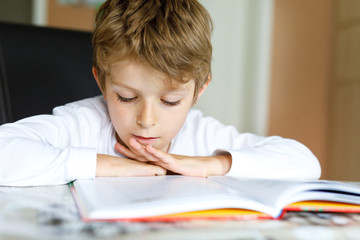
(122, 85)
(176, 89)
(180, 89)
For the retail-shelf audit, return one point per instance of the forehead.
(132, 73)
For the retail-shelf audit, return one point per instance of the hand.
(190, 166)
(110, 166)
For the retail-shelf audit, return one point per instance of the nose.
(147, 116)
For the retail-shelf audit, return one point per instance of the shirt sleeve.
(256, 156)
(47, 149)
(272, 157)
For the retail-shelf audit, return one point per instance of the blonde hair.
(169, 36)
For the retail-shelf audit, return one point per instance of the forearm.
(112, 166)
(219, 164)
(26, 162)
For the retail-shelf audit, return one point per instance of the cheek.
(175, 120)
(120, 117)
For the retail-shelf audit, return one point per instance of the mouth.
(145, 140)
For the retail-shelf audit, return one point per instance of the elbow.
(313, 171)
(310, 165)
(312, 168)
(317, 169)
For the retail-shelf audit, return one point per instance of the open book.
(181, 197)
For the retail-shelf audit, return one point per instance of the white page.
(279, 193)
(132, 197)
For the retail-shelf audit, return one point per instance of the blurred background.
(280, 67)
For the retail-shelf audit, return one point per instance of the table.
(50, 213)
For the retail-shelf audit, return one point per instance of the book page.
(131, 197)
(279, 193)
(134, 197)
(266, 191)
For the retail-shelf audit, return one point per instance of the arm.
(257, 156)
(273, 157)
(245, 154)
(115, 167)
(52, 149)
(33, 153)
(59, 148)
(185, 165)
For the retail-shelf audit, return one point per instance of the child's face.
(142, 106)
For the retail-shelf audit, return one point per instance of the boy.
(152, 63)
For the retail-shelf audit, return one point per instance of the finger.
(140, 150)
(118, 147)
(158, 154)
(124, 150)
(135, 144)
(130, 153)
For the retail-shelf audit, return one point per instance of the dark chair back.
(41, 68)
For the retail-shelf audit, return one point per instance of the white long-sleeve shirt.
(62, 147)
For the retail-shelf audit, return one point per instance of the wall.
(223, 98)
(315, 82)
(238, 93)
(300, 73)
(344, 146)
(77, 17)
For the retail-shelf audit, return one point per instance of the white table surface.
(50, 213)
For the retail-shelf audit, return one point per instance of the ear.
(203, 88)
(98, 82)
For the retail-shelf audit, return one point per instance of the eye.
(126, 100)
(171, 103)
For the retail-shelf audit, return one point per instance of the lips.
(145, 140)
